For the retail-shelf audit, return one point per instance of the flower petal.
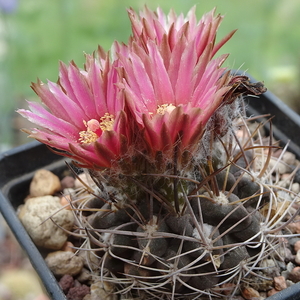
(52, 123)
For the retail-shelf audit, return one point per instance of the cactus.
(183, 202)
(229, 219)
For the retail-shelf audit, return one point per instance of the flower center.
(162, 109)
(95, 128)
(107, 122)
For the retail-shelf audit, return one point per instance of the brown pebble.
(78, 292)
(294, 227)
(295, 275)
(272, 292)
(279, 283)
(297, 246)
(250, 293)
(65, 201)
(66, 282)
(67, 182)
(68, 246)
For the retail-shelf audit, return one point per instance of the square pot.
(18, 165)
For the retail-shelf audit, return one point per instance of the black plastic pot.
(18, 165)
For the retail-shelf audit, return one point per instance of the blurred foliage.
(40, 33)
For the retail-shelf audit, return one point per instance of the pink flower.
(84, 114)
(172, 84)
(155, 97)
(168, 30)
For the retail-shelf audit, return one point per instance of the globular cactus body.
(218, 236)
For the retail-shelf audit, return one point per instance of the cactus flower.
(172, 83)
(155, 96)
(84, 114)
(168, 30)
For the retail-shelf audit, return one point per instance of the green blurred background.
(35, 35)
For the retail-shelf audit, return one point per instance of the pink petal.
(82, 93)
(90, 157)
(59, 110)
(52, 123)
(144, 85)
(50, 139)
(134, 103)
(64, 81)
(114, 97)
(175, 61)
(160, 78)
(74, 111)
(97, 89)
(184, 86)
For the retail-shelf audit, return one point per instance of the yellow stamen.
(107, 122)
(94, 128)
(87, 137)
(162, 109)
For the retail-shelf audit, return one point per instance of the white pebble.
(289, 158)
(295, 187)
(280, 166)
(297, 257)
(34, 215)
(44, 183)
(64, 262)
(284, 183)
